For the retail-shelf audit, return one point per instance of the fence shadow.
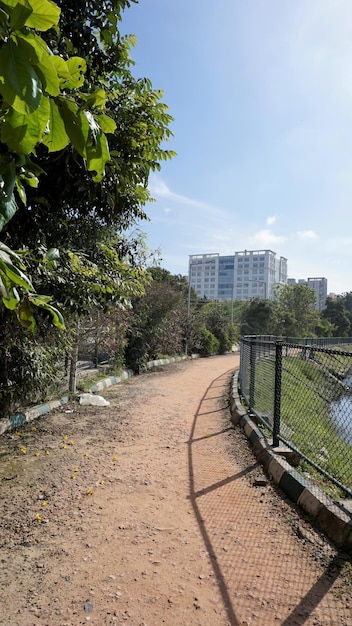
(309, 591)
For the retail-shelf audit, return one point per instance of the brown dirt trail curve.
(154, 511)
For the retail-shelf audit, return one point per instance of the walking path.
(154, 511)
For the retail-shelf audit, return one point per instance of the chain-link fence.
(301, 390)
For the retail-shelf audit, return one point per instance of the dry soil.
(154, 511)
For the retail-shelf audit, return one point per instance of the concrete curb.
(34, 412)
(329, 516)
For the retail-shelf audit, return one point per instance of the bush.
(31, 367)
(225, 343)
(209, 344)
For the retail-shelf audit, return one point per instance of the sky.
(261, 96)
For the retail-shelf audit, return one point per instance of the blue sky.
(261, 95)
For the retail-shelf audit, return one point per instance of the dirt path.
(153, 511)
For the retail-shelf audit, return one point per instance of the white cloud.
(266, 237)
(271, 220)
(159, 189)
(307, 234)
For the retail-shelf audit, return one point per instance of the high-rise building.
(242, 276)
(319, 285)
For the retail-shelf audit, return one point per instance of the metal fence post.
(252, 355)
(277, 396)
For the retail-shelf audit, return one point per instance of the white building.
(320, 287)
(243, 276)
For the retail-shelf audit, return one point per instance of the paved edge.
(41, 409)
(335, 522)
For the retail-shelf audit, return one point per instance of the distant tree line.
(293, 314)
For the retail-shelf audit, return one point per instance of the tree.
(296, 312)
(259, 317)
(214, 316)
(66, 191)
(157, 319)
(84, 188)
(337, 314)
(37, 104)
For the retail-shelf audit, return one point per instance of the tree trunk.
(74, 359)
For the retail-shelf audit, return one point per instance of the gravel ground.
(154, 511)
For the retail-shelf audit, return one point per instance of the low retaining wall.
(330, 516)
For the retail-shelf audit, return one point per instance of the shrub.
(209, 344)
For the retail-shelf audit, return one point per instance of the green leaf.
(12, 254)
(42, 302)
(94, 100)
(19, 83)
(76, 67)
(43, 60)
(56, 137)
(21, 190)
(25, 315)
(3, 23)
(8, 206)
(44, 13)
(22, 132)
(8, 292)
(105, 122)
(52, 254)
(11, 299)
(97, 156)
(19, 15)
(33, 168)
(61, 68)
(13, 273)
(76, 124)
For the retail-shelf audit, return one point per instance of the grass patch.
(86, 383)
(307, 390)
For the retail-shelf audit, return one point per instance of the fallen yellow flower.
(24, 450)
(114, 458)
(101, 482)
(65, 437)
(89, 492)
(45, 503)
(34, 430)
(37, 454)
(71, 442)
(37, 517)
(64, 445)
(73, 476)
(75, 469)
